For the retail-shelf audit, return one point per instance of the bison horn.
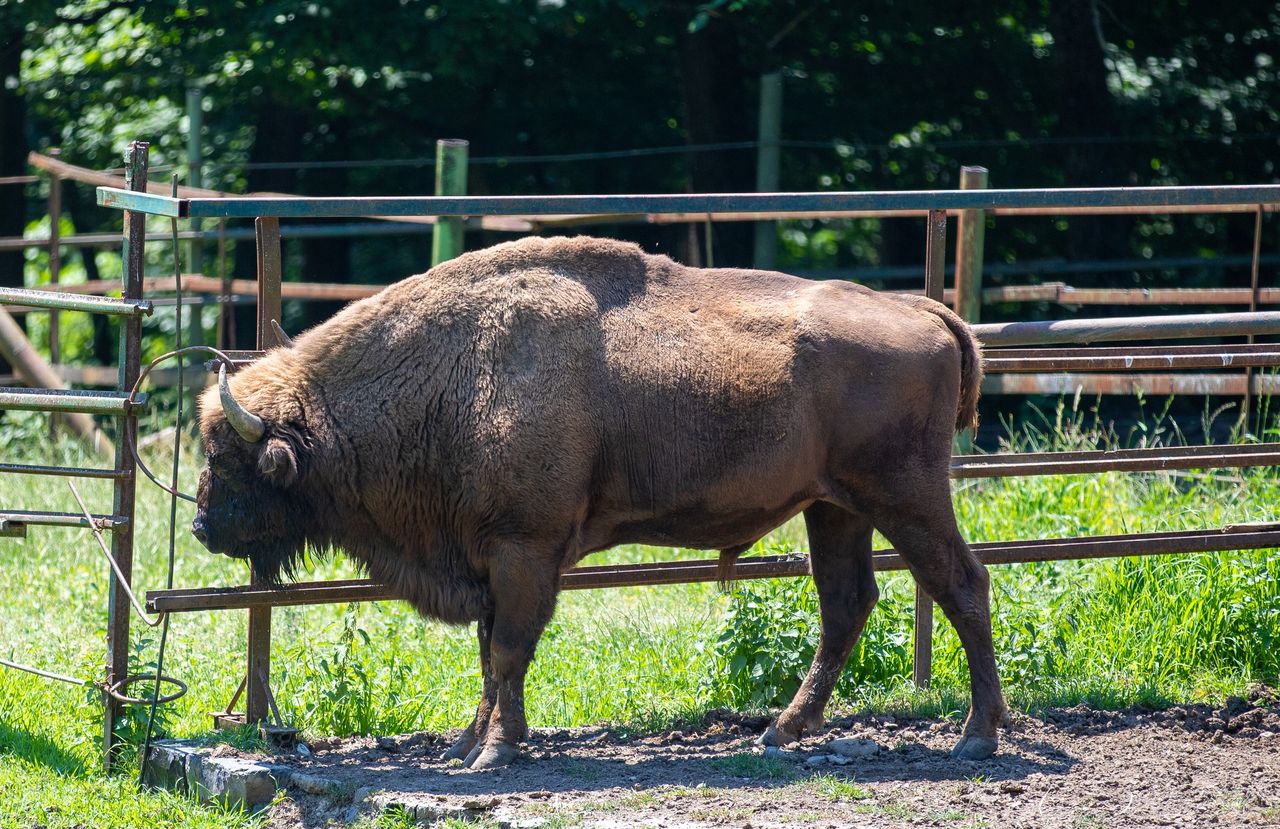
(281, 337)
(247, 424)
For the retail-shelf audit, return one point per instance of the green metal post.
(768, 159)
(195, 163)
(451, 180)
(193, 325)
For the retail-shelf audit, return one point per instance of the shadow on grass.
(21, 743)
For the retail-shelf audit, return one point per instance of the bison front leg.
(474, 734)
(522, 606)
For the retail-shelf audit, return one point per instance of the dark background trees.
(882, 95)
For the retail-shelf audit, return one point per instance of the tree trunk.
(13, 145)
(278, 137)
(713, 88)
(1086, 108)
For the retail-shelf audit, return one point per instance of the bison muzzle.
(471, 433)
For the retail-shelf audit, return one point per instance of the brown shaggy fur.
(471, 433)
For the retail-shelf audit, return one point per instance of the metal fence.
(1008, 355)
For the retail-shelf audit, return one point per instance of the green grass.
(837, 789)
(1108, 632)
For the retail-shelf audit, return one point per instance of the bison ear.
(278, 462)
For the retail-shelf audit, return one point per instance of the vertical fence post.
(193, 325)
(971, 231)
(768, 160)
(1255, 297)
(258, 668)
(55, 271)
(122, 502)
(195, 166)
(935, 259)
(451, 180)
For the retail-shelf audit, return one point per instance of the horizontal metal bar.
(62, 471)
(61, 519)
(1237, 537)
(155, 205)
(69, 400)
(249, 207)
(1130, 359)
(1228, 384)
(75, 302)
(1170, 326)
(1151, 459)
(326, 231)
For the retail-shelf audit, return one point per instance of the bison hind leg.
(840, 561)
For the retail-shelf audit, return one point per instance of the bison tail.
(970, 366)
(726, 567)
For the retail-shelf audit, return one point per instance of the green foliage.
(771, 632)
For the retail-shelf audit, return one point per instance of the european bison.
(471, 433)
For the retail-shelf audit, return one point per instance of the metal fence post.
(768, 157)
(935, 258)
(122, 502)
(258, 667)
(451, 180)
(55, 272)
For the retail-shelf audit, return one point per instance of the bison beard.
(471, 433)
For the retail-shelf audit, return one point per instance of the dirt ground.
(1076, 767)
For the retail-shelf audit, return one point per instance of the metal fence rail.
(1005, 364)
(935, 206)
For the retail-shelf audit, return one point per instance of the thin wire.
(48, 674)
(102, 542)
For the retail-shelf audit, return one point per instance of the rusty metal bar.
(1232, 537)
(55, 260)
(935, 254)
(63, 471)
(1172, 326)
(1231, 385)
(935, 258)
(997, 361)
(74, 301)
(258, 663)
(124, 491)
(64, 519)
(1152, 459)
(1066, 295)
(1254, 296)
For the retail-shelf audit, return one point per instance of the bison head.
(248, 505)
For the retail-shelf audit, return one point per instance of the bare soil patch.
(1192, 765)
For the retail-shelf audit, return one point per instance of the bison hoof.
(461, 748)
(491, 756)
(774, 736)
(974, 747)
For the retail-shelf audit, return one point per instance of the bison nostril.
(199, 531)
